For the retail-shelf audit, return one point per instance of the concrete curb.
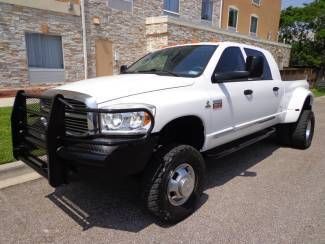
(19, 180)
(16, 173)
(11, 167)
(7, 102)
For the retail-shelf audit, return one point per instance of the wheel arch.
(187, 129)
(308, 104)
(301, 99)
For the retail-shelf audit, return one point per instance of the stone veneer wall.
(125, 29)
(15, 21)
(167, 31)
(191, 11)
(132, 34)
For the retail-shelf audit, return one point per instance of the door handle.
(275, 89)
(248, 92)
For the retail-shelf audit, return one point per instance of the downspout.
(220, 15)
(84, 36)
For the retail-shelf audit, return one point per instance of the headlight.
(112, 121)
(127, 123)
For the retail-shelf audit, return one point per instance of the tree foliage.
(304, 28)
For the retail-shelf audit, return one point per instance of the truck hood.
(109, 88)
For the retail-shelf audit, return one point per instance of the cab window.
(267, 75)
(231, 60)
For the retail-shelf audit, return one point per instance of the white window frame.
(172, 12)
(231, 27)
(257, 4)
(250, 25)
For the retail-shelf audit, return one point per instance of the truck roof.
(222, 43)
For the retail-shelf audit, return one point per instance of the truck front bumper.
(40, 140)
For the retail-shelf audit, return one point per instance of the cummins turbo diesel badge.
(217, 104)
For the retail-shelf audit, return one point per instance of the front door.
(104, 57)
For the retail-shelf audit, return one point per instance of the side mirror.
(229, 76)
(255, 66)
(123, 69)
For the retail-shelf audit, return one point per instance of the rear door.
(272, 89)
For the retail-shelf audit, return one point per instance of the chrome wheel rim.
(181, 184)
(308, 130)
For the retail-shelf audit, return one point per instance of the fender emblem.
(208, 105)
(217, 104)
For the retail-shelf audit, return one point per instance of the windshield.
(184, 61)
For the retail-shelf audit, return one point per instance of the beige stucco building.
(48, 42)
(256, 18)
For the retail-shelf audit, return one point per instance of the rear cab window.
(267, 75)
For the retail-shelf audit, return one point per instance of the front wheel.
(173, 182)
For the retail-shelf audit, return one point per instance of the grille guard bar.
(55, 136)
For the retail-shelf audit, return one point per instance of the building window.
(123, 5)
(254, 24)
(207, 10)
(256, 2)
(45, 57)
(171, 6)
(233, 18)
(44, 51)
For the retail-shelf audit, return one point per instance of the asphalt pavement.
(261, 194)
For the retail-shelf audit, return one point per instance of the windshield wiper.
(157, 71)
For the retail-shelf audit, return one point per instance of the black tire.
(299, 138)
(283, 133)
(294, 135)
(158, 174)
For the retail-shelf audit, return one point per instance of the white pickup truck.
(161, 117)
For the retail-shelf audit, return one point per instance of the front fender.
(296, 104)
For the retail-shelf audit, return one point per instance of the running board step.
(239, 144)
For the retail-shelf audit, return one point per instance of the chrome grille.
(76, 123)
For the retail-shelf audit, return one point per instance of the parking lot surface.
(261, 194)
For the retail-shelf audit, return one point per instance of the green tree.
(304, 28)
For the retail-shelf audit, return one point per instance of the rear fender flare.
(301, 98)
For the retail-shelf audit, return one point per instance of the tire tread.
(153, 178)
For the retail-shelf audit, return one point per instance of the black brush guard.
(38, 135)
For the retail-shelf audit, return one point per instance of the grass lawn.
(5, 136)
(318, 92)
